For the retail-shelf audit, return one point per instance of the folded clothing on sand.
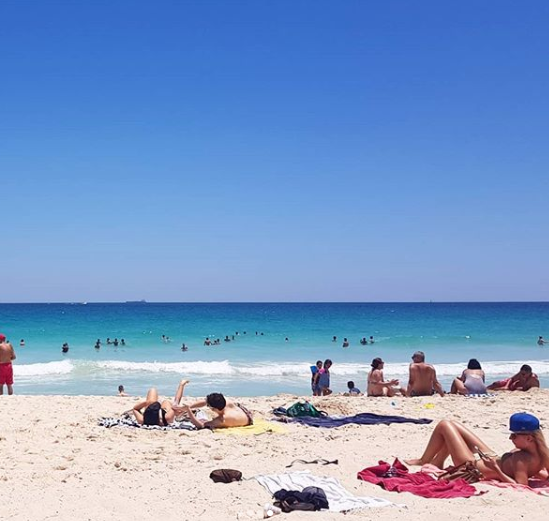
(132, 422)
(338, 498)
(396, 478)
(364, 418)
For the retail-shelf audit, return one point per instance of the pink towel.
(538, 486)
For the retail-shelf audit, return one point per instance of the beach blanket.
(259, 427)
(538, 486)
(364, 418)
(396, 478)
(339, 499)
(484, 395)
(132, 422)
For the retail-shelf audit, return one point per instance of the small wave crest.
(44, 369)
(255, 371)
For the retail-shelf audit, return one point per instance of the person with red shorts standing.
(7, 355)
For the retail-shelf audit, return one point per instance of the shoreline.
(59, 464)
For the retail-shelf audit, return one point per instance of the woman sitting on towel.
(529, 459)
(471, 381)
(152, 412)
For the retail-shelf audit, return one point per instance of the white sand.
(56, 463)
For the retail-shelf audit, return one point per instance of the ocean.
(259, 360)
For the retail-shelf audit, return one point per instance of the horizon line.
(86, 302)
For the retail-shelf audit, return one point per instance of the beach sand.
(56, 463)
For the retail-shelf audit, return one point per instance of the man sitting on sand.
(423, 377)
(7, 355)
(228, 414)
(524, 380)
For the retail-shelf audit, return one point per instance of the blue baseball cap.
(523, 422)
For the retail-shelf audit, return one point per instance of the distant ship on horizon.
(136, 301)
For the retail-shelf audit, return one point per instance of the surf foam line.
(261, 370)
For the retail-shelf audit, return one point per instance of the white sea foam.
(198, 367)
(220, 369)
(44, 369)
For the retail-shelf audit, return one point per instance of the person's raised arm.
(192, 418)
(137, 411)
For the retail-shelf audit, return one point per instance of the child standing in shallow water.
(323, 379)
(314, 382)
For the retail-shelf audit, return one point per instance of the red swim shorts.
(6, 374)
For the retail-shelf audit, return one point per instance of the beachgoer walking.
(7, 356)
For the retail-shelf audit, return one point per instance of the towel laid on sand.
(339, 499)
(364, 418)
(538, 486)
(259, 427)
(396, 478)
(132, 422)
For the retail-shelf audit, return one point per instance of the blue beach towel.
(364, 418)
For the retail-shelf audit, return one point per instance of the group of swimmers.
(363, 341)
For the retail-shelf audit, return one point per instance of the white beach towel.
(338, 498)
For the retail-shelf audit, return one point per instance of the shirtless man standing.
(423, 377)
(229, 414)
(7, 355)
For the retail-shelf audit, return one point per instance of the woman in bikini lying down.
(529, 459)
(153, 412)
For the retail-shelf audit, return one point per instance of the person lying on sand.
(524, 380)
(152, 412)
(529, 459)
(423, 377)
(228, 413)
(377, 386)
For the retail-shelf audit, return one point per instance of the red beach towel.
(396, 478)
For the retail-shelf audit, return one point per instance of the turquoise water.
(501, 335)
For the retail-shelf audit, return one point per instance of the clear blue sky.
(274, 151)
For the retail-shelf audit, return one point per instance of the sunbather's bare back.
(423, 380)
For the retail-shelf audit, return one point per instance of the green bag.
(300, 409)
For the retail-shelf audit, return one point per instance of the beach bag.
(301, 409)
(466, 471)
(225, 475)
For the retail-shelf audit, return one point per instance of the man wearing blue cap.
(530, 458)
